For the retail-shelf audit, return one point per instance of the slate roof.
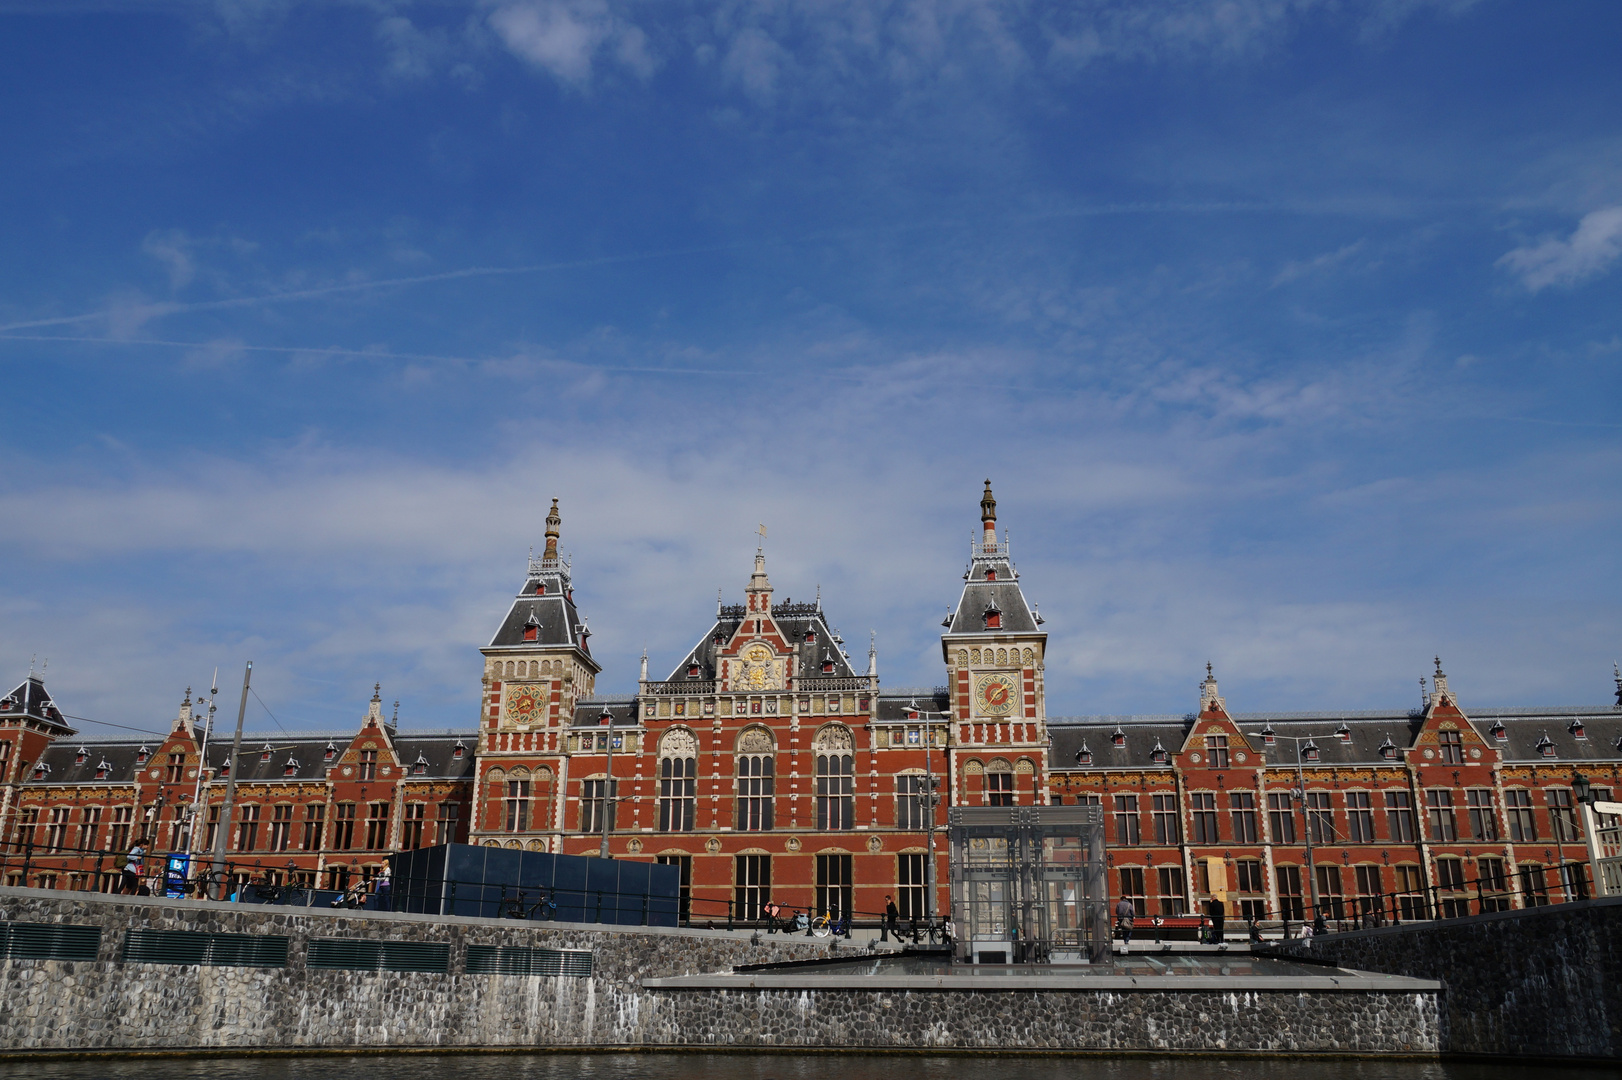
(793, 620)
(30, 698)
(588, 712)
(1138, 753)
(893, 705)
(547, 599)
(436, 751)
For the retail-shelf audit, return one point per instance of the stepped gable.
(30, 703)
(992, 601)
(544, 612)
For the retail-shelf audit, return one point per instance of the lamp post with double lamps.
(1299, 794)
(607, 717)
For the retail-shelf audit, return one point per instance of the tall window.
(1290, 905)
(1410, 885)
(119, 835)
(213, 827)
(593, 805)
(1490, 874)
(1562, 816)
(1483, 822)
(1523, 828)
(1534, 885)
(1452, 748)
(1173, 901)
(281, 826)
(1320, 818)
(910, 790)
(1281, 817)
(1000, 788)
(1132, 890)
(178, 833)
(834, 884)
(1217, 747)
(315, 820)
(377, 826)
(1399, 816)
(56, 833)
(1203, 811)
(89, 827)
(517, 806)
(343, 827)
(1329, 897)
(1439, 808)
(1248, 874)
(368, 764)
(755, 793)
(1450, 879)
(1367, 879)
(445, 828)
(247, 828)
(1243, 807)
(411, 826)
(678, 780)
(176, 768)
(1126, 820)
(1359, 818)
(752, 888)
(1164, 811)
(910, 883)
(836, 784)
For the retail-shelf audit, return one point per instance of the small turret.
(552, 523)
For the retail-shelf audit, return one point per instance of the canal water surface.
(768, 1067)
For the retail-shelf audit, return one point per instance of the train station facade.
(770, 768)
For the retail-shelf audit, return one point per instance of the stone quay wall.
(49, 1006)
(1540, 982)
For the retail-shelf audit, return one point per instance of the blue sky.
(1287, 332)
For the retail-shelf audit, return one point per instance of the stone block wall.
(108, 1005)
(1544, 982)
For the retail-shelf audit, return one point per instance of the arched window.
(755, 781)
(678, 780)
(999, 783)
(836, 778)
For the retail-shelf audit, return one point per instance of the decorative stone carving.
(834, 737)
(712, 845)
(874, 844)
(755, 741)
(678, 742)
(634, 847)
(793, 843)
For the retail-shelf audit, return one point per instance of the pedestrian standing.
(1125, 916)
(1219, 919)
(131, 878)
(892, 919)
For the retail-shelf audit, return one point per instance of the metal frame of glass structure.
(1028, 884)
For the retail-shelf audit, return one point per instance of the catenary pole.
(231, 780)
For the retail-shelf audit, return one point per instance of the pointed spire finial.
(396, 719)
(187, 700)
(988, 505)
(552, 523)
(1616, 673)
(377, 692)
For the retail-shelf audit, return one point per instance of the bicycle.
(515, 909)
(824, 924)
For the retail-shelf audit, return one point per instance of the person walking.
(892, 919)
(130, 880)
(1219, 919)
(1125, 916)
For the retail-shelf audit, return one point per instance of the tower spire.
(552, 523)
(988, 518)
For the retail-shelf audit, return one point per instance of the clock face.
(523, 703)
(997, 695)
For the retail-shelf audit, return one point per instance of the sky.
(1286, 331)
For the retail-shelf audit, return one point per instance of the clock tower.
(994, 650)
(537, 665)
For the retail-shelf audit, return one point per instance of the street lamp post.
(930, 801)
(607, 717)
(1300, 796)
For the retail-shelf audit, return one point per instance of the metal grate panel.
(521, 960)
(368, 954)
(205, 950)
(48, 941)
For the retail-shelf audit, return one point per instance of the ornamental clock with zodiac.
(524, 703)
(997, 694)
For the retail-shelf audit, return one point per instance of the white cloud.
(565, 37)
(1294, 271)
(1593, 247)
(172, 248)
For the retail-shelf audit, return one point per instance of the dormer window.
(719, 641)
(141, 755)
(993, 616)
(540, 588)
(459, 749)
(291, 768)
(1576, 729)
(827, 663)
(40, 770)
(692, 671)
(1344, 732)
(1388, 749)
(1546, 745)
(532, 628)
(420, 766)
(991, 575)
(329, 753)
(1269, 736)
(1118, 737)
(1499, 731)
(1158, 755)
(264, 755)
(8, 704)
(810, 637)
(1309, 752)
(79, 758)
(104, 769)
(1084, 756)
